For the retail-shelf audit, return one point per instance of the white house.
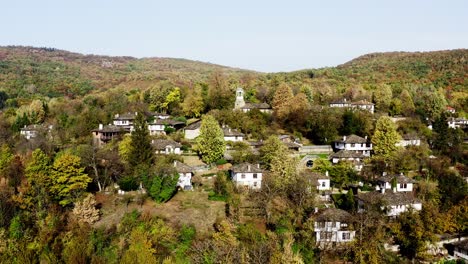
(185, 175)
(409, 140)
(360, 105)
(322, 183)
(164, 146)
(354, 143)
(333, 227)
(241, 105)
(192, 131)
(32, 131)
(355, 157)
(248, 175)
(457, 123)
(158, 126)
(231, 134)
(392, 203)
(401, 182)
(125, 121)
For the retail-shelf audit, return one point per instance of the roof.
(362, 102)
(110, 129)
(34, 127)
(315, 175)
(230, 132)
(411, 136)
(389, 198)
(353, 139)
(194, 125)
(346, 154)
(340, 101)
(182, 167)
(246, 167)
(256, 106)
(160, 144)
(400, 178)
(461, 244)
(157, 114)
(167, 122)
(255, 143)
(126, 116)
(292, 145)
(333, 215)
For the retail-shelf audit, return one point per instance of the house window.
(255, 184)
(344, 225)
(323, 184)
(321, 224)
(326, 235)
(403, 185)
(352, 145)
(255, 175)
(346, 236)
(242, 176)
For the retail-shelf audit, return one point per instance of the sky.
(266, 36)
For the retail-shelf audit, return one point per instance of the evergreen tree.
(141, 151)
(210, 143)
(385, 137)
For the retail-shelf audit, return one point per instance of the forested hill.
(440, 69)
(52, 72)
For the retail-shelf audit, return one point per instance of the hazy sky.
(258, 35)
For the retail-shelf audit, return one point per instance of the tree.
(68, 179)
(271, 149)
(382, 97)
(3, 99)
(85, 210)
(210, 143)
(446, 140)
(281, 100)
(172, 100)
(385, 137)
(430, 102)
(5, 158)
(141, 152)
(193, 103)
(125, 148)
(163, 187)
(407, 104)
(37, 112)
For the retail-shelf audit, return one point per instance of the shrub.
(128, 183)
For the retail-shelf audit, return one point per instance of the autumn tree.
(271, 149)
(282, 100)
(85, 210)
(141, 151)
(210, 143)
(219, 95)
(385, 137)
(382, 97)
(68, 179)
(172, 100)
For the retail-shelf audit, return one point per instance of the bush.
(128, 183)
(221, 162)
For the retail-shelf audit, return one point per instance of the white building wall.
(324, 184)
(185, 179)
(248, 180)
(232, 138)
(192, 134)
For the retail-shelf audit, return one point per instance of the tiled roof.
(33, 128)
(160, 144)
(388, 198)
(246, 167)
(256, 106)
(292, 145)
(346, 154)
(110, 128)
(400, 178)
(126, 116)
(334, 215)
(353, 139)
(167, 122)
(182, 167)
(362, 102)
(230, 132)
(194, 125)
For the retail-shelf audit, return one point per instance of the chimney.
(258, 165)
(100, 126)
(344, 138)
(365, 137)
(136, 113)
(175, 163)
(344, 100)
(382, 190)
(248, 167)
(384, 173)
(326, 173)
(316, 210)
(116, 115)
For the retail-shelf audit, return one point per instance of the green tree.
(125, 148)
(271, 149)
(210, 143)
(68, 178)
(407, 104)
(163, 187)
(385, 137)
(430, 103)
(193, 105)
(172, 100)
(5, 158)
(382, 97)
(141, 152)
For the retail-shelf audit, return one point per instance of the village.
(336, 203)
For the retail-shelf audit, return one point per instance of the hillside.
(52, 72)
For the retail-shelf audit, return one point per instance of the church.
(240, 104)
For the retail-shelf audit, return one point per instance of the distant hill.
(53, 72)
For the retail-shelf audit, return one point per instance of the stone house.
(333, 227)
(165, 146)
(248, 175)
